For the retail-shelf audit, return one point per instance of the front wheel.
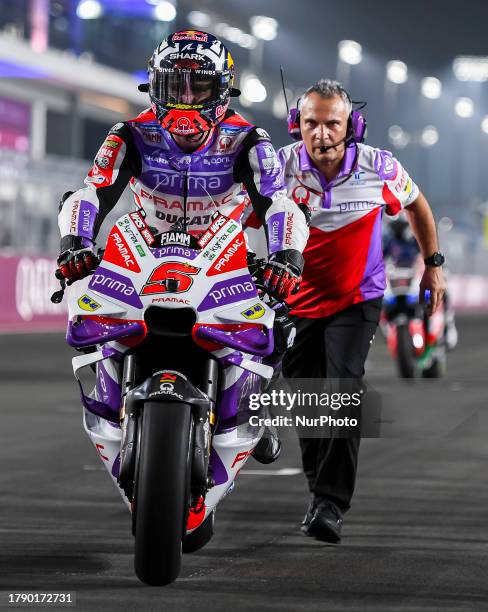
(437, 368)
(161, 492)
(405, 358)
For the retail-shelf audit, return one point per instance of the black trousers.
(334, 347)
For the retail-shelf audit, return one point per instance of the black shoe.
(308, 516)
(326, 523)
(268, 449)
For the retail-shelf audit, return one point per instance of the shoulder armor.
(255, 136)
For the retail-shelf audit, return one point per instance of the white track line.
(281, 472)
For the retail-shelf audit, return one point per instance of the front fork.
(203, 413)
(129, 416)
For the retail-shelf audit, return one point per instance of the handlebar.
(254, 266)
(57, 296)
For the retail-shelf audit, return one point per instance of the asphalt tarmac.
(416, 538)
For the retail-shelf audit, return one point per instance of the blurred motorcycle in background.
(418, 343)
(415, 341)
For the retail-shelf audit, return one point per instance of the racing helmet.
(191, 77)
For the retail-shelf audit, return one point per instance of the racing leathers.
(168, 182)
(402, 252)
(174, 189)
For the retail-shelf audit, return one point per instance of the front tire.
(161, 499)
(437, 369)
(405, 358)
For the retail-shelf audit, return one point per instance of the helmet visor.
(185, 88)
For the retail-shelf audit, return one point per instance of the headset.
(356, 125)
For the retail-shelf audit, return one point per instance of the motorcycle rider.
(399, 243)
(184, 157)
(402, 249)
(346, 186)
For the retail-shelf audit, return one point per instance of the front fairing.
(213, 281)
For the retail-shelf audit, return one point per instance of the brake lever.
(57, 296)
(271, 301)
(255, 266)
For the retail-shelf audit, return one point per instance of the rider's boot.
(268, 449)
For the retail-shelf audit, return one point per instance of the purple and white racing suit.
(165, 180)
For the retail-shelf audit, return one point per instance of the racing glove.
(283, 273)
(75, 261)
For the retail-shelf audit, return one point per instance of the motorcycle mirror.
(57, 296)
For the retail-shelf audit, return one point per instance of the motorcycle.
(415, 341)
(177, 333)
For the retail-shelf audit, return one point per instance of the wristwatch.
(435, 260)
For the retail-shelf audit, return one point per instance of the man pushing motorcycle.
(183, 157)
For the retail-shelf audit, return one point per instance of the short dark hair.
(327, 88)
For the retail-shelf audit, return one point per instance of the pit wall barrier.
(27, 283)
(26, 286)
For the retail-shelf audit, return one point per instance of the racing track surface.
(415, 539)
